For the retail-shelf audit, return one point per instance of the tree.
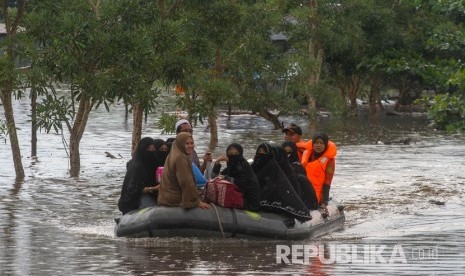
(75, 49)
(10, 76)
(210, 30)
(263, 65)
(146, 36)
(304, 26)
(444, 70)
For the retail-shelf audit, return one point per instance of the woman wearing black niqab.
(140, 174)
(277, 193)
(162, 150)
(239, 172)
(299, 181)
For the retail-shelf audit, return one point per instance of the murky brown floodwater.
(404, 205)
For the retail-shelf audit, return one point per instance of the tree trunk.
(8, 57)
(350, 88)
(126, 111)
(315, 56)
(33, 122)
(274, 119)
(213, 131)
(374, 99)
(11, 125)
(80, 122)
(137, 115)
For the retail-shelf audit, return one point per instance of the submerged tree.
(208, 33)
(76, 51)
(147, 33)
(10, 76)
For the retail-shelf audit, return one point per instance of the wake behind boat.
(161, 221)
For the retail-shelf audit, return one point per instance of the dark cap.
(293, 128)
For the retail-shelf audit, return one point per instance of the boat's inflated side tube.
(160, 221)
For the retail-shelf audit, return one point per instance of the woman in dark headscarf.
(277, 193)
(162, 150)
(177, 187)
(239, 172)
(139, 180)
(299, 181)
(291, 152)
(169, 143)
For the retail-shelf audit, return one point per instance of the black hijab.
(292, 156)
(169, 143)
(243, 176)
(161, 154)
(140, 173)
(261, 159)
(298, 178)
(235, 161)
(277, 193)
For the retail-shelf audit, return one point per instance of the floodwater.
(404, 205)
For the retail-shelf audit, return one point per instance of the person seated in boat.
(162, 148)
(200, 179)
(183, 125)
(319, 163)
(169, 143)
(296, 177)
(291, 153)
(177, 186)
(139, 183)
(294, 133)
(239, 172)
(276, 192)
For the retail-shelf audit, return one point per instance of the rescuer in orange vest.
(319, 164)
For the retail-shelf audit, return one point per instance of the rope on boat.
(218, 218)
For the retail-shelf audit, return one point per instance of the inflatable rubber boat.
(217, 222)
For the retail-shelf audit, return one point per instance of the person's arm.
(217, 165)
(206, 158)
(329, 174)
(151, 189)
(216, 170)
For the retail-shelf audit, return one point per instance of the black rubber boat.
(160, 221)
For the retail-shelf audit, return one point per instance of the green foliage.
(328, 98)
(447, 111)
(167, 122)
(7, 73)
(221, 53)
(52, 111)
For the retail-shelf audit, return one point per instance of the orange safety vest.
(301, 147)
(316, 169)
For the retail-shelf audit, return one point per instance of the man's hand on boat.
(204, 205)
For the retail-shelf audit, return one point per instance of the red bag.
(223, 193)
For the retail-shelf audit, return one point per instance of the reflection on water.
(397, 197)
